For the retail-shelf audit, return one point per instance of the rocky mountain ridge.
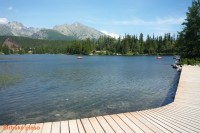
(78, 30)
(59, 32)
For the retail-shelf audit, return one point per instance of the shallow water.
(40, 88)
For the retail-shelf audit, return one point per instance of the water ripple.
(58, 87)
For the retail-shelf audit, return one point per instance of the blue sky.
(111, 16)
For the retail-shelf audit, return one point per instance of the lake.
(41, 88)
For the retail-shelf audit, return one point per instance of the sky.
(114, 17)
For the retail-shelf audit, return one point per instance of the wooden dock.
(183, 115)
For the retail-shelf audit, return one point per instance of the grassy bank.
(188, 61)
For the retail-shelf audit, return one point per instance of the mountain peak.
(78, 30)
(15, 25)
(76, 24)
(75, 30)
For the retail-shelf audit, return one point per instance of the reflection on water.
(39, 88)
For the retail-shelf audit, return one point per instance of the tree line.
(136, 45)
(127, 45)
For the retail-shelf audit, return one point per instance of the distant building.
(103, 51)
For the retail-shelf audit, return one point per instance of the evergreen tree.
(6, 50)
(189, 38)
(141, 43)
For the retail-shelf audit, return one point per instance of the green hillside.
(52, 35)
(39, 45)
(55, 35)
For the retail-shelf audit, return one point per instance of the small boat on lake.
(79, 57)
(158, 57)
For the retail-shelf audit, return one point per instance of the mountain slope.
(18, 29)
(51, 35)
(60, 32)
(78, 30)
(5, 30)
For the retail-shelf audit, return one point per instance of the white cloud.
(10, 8)
(110, 34)
(157, 26)
(3, 20)
(157, 22)
(170, 21)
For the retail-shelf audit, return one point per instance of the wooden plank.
(191, 118)
(162, 124)
(191, 106)
(181, 125)
(1, 128)
(146, 122)
(47, 127)
(30, 129)
(174, 110)
(132, 125)
(181, 119)
(188, 90)
(8, 129)
(181, 108)
(80, 126)
(165, 108)
(194, 116)
(25, 128)
(189, 111)
(18, 129)
(188, 95)
(95, 124)
(64, 126)
(113, 124)
(39, 127)
(183, 113)
(73, 127)
(171, 123)
(87, 125)
(104, 124)
(55, 127)
(188, 101)
(155, 122)
(121, 124)
(138, 123)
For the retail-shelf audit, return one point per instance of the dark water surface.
(40, 88)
